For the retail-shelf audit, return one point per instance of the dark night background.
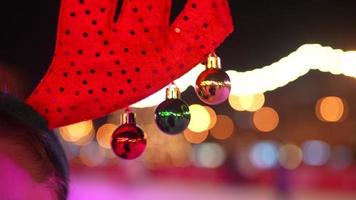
(265, 31)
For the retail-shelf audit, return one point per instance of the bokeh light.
(71, 150)
(223, 128)
(264, 155)
(290, 156)
(92, 155)
(145, 115)
(209, 155)
(104, 134)
(109, 154)
(247, 103)
(271, 77)
(165, 150)
(266, 119)
(213, 117)
(240, 103)
(330, 109)
(75, 132)
(288, 69)
(200, 118)
(341, 157)
(194, 137)
(86, 139)
(243, 163)
(315, 153)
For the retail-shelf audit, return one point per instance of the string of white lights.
(307, 57)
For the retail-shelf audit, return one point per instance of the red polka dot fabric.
(101, 65)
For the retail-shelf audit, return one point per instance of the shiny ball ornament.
(128, 140)
(213, 85)
(172, 116)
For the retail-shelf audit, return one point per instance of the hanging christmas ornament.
(213, 85)
(128, 140)
(172, 115)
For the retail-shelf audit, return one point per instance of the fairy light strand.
(268, 78)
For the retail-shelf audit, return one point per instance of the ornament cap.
(213, 61)
(172, 92)
(128, 117)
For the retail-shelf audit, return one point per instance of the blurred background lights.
(209, 155)
(213, 117)
(200, 118)
(243, 163)
(315, 152)
(86, 139)
(109, 154)
(271, 77)
(265, 119)
(240, 103)
(330, 109)
(223, 128)
(165, 150)
(258, 102)
(145, 115)
(247, 103)
(290, 68)
(92, 155)
(290, 156)
(341, 157)
(75, 132)
(71, 150)
(104, 133)
(264, 155)
(194, 137)
(191, 148)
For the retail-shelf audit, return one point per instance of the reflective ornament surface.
(128, 140)
(213, 85)
(172, 116)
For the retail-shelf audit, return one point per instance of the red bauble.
(128, 141)
(213, 85)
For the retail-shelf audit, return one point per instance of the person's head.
(32, 161)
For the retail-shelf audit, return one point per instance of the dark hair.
(16, 115)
